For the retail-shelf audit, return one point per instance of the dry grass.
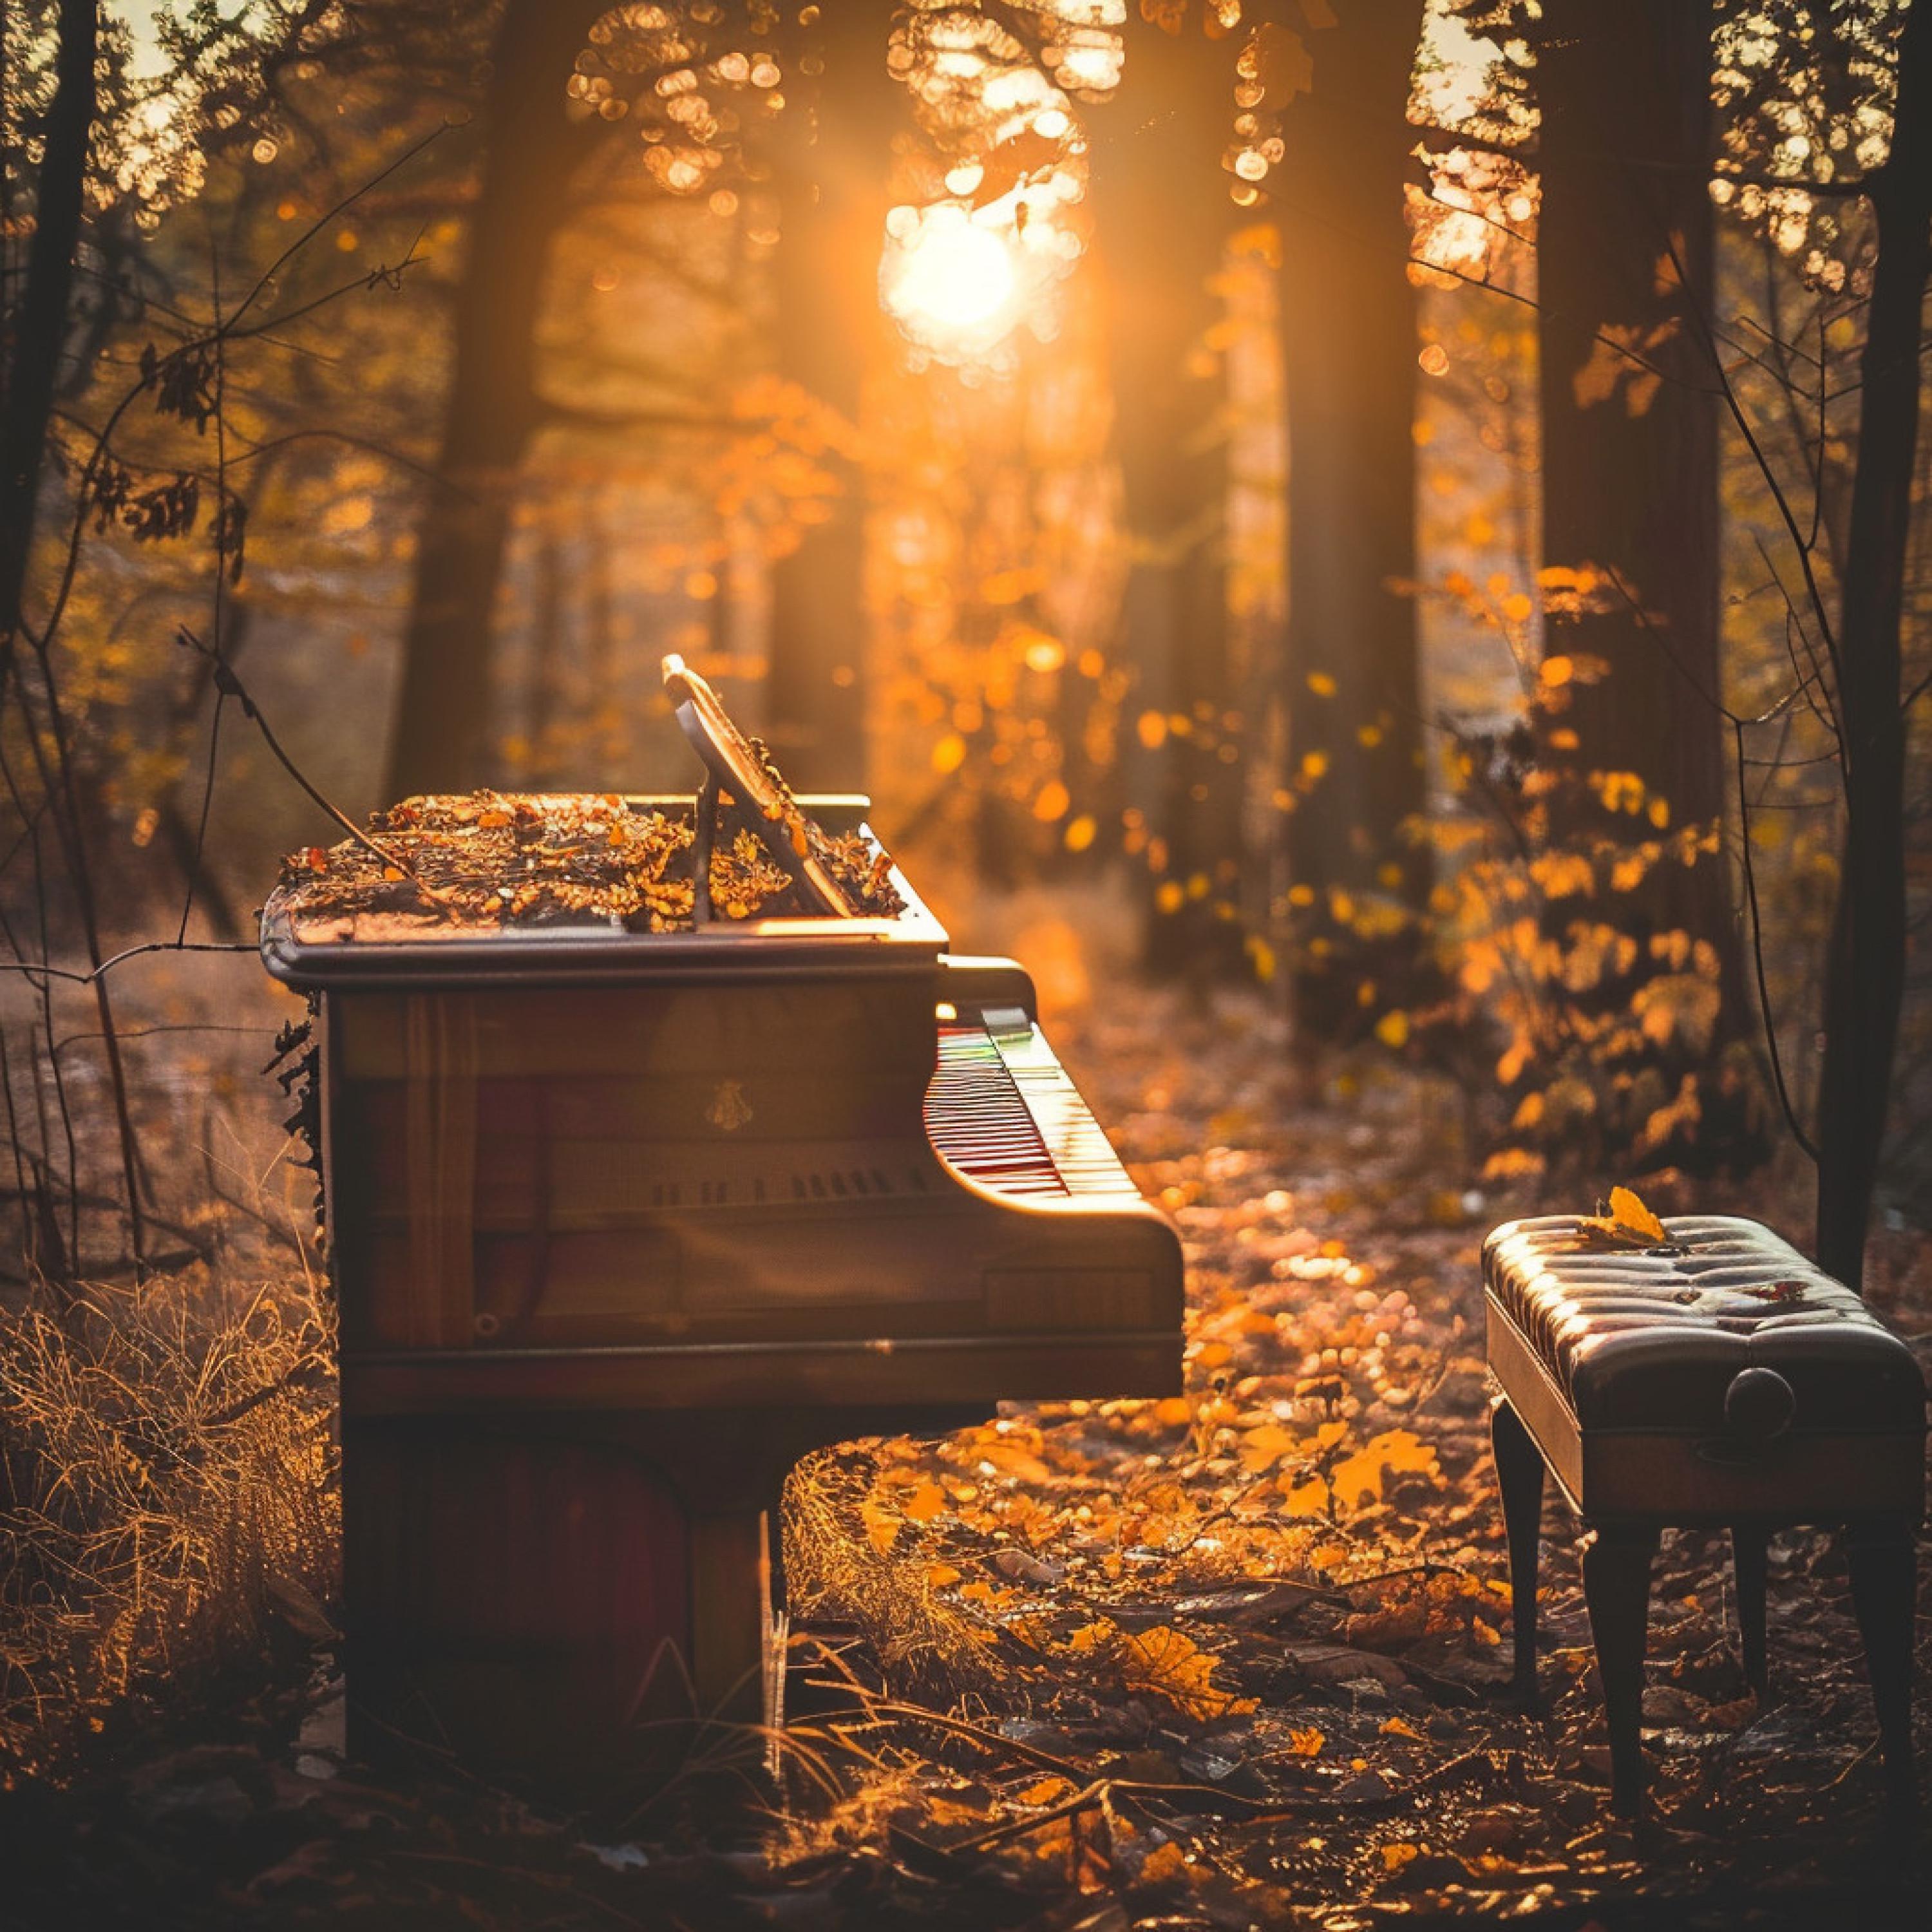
(836, 1573)
(168, 1480)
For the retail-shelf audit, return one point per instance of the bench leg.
(1519, 1475)
(1883, 1561)
(1616, 1586)
(1749, 1546)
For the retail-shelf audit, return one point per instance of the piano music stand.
(733, 761)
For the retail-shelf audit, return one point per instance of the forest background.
(1413, 510)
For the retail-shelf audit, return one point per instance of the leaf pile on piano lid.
(862, 873)
(492, 861)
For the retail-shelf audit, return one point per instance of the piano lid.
(406, 938)
(502, 889)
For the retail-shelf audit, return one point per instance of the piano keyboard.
(1002, 1110)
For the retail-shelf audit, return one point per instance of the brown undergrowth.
(169, 1496)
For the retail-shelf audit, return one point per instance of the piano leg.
(727, 1612)
(518, 1586)
(738, 1574)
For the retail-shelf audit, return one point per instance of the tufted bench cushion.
(1720, 1376)
(1717, 1378)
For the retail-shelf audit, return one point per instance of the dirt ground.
(1234, 1659)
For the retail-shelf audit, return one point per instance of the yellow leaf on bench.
(1628, 1221)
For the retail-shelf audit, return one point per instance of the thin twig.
(1764, 1012)
(226, 681)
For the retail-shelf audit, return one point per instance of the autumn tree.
(1349, 337)
(1629, 407)
(80, 133)
(1162, 209)
(1801, 141)
(832, 168)
(492, 408)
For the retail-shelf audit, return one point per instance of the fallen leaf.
(1171, 1665)
(880, 1524)
(925, 1502)
(1628, 1222)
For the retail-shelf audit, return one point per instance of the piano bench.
(1720, 1380)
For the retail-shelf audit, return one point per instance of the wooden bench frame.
(1881, 1553)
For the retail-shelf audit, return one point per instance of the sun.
(949, 282)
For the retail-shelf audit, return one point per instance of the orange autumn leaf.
(1171, 1665)
(880, 1524)
(1628, 1222)
(1261, 1448)
(1164, 1864)
(1359, 1477)
(1046, 1791)
(1100, 1635)
(927, 1501)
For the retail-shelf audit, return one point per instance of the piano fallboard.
(509, 1223)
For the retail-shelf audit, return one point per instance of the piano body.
(622, 1224)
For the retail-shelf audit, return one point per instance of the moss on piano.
(494, 862)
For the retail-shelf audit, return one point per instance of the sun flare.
(947, 279)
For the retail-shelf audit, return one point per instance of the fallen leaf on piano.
(1628, 1222)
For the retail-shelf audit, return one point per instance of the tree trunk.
(1630, 462)
(1349, 336)
(31, 374)
(1163, 216)
(443, 712)
(31, 368)
(1865, 972)
(834, 184)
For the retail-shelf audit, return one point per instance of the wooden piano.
(623, 1221)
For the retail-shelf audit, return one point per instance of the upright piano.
(623, 1221)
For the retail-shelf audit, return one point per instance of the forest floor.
(1237, 1658)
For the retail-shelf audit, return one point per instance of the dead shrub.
(168, 1470)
